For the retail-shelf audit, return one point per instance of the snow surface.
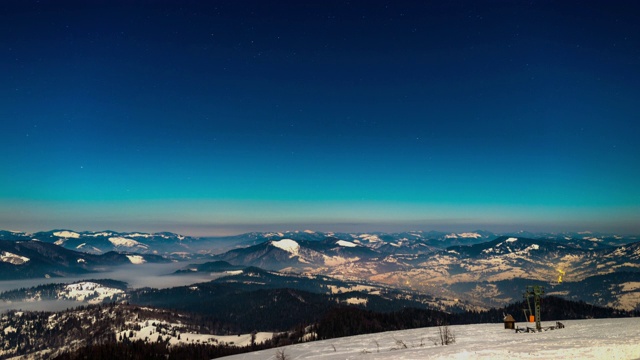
(273, 234)
(511, 239)
(91, 292)
(12, 258)
(100, 234)
(470, 235)
(120, 241)
(581, 339)
(338, 260)
(287, 245)
(466, 235)
(66, 234)
(136, 259)
(346, 243)
(171, 331)
(333, 289)
(357, 301)
(140, 235)
(370, 238)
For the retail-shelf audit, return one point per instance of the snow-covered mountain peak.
(465, 235)
(137, 234)
(272, 234)
(345, 243)
(370, 238)
(104, 233)
(288, 245)
(67, 234)
(122, 241)
(512, 246)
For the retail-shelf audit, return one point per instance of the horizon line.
(456, 232)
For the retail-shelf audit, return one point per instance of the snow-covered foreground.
(581, 339)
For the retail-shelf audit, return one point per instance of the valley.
(273, 283)
(468, 270)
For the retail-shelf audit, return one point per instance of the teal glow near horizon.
(219, 118)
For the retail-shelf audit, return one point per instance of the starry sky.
(232, 116)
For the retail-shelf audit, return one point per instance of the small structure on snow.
(509, 322)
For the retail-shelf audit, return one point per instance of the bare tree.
(280, 354)
(445, 336)
(399, 345)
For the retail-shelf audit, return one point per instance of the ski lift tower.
(535, 292)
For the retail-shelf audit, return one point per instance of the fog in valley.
(45, 305)
(136, 276)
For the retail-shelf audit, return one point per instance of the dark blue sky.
(332, 115)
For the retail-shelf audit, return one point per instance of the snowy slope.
(136, 259)
(90, 292)
(287, 245)
(45, 335)
(82, 292)
(12, 258)
(175, 333)
(581, 339)
(120, 241)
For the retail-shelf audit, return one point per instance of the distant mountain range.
(479, 268)
(20, 259)
(476, 273)
(100, 242)
(179, 246)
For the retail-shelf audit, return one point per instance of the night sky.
(235, 116)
